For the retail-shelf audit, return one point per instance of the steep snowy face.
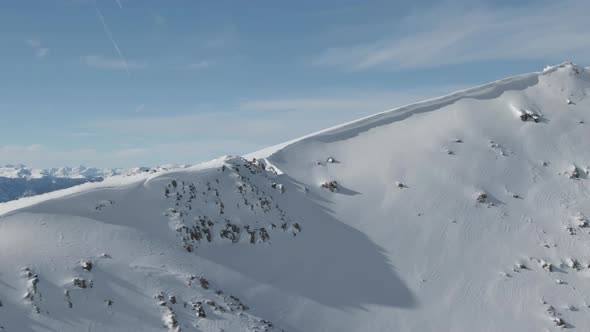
(470, 197)
(145, 252)
(462, 213)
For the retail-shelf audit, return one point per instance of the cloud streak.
(40, 51)
(101, 62)
(262, 122)
(148, 140)
(187, 152)
(348, 102)
(110, 35)
(199, 65)
(452, 35)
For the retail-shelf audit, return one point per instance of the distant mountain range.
(17, 181)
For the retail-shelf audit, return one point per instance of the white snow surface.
(453, 214)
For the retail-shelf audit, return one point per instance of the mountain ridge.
(484, 91)
(470, 218)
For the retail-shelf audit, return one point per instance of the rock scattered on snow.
(526, 115)
(68, 298)
(198, 307)
(103, 204)
(582, 221)
(573, 172)
(519, 267)
(481, 197)
(546, 265)
(330, 185)
(200, 215)
(204, 283)
(278, 186)
(86, 265)
(81, 283)
(558, 321)
(570, 230)
(573, 264)
(32, 295)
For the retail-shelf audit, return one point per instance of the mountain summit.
(462, 213)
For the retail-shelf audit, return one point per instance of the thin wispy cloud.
(40, 51)
(102, 62)
(176, 52)
(374, 102)
(261, 123)
(34, 43)
(83, 134)
(191, 151)
(439, 36)
(199, 65)
(20, 148)
(348, 102)
(111, 38)
(37, 155)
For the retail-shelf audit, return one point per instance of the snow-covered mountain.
(462, 213)
(79, 172)
(17, 181)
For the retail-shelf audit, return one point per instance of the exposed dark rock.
(330, 185)
(86, 265)
(481, 197)
(81, 283)
(203, 282)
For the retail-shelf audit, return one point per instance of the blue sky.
(143, 82)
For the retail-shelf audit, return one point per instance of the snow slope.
(462, 213)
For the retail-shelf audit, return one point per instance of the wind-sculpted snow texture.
(463, 213)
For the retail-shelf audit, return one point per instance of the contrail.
(119, 3)
(110, 35)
